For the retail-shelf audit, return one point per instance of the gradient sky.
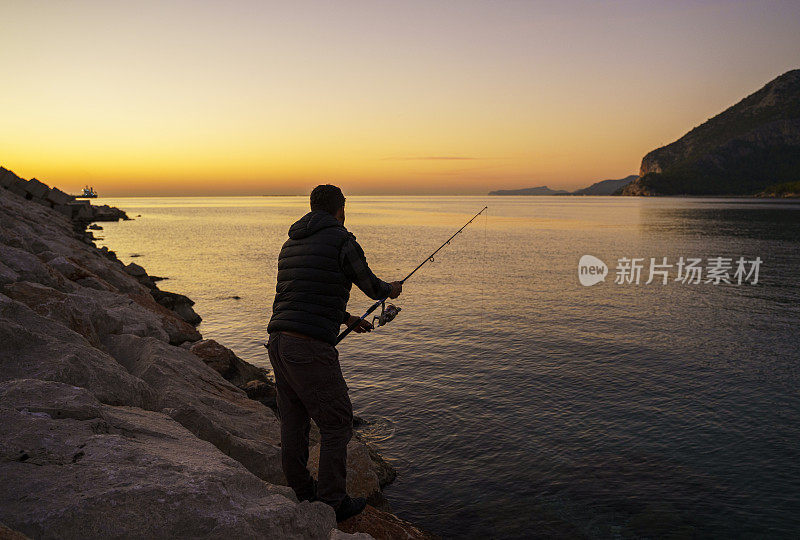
(379, 97)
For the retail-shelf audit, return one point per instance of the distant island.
(603, 187)
(606, 187)
(752, 148)
(541, 190)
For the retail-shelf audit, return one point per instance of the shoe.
(350, 507)
(311, 496)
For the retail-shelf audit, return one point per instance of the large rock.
(121, 472)
(362, 478)
(180, 304)
(9, 534)
(58, 197)
(55, 399)
(336, 534)
(178, 330)
(201, 400)
(35, 347)
(76, 312)
(225, 362)
(383, 526)
(29, 268)
(36, 189)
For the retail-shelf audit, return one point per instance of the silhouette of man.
(317, 266)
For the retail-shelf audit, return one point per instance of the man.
(317, 266)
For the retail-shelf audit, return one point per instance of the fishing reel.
(388, 313)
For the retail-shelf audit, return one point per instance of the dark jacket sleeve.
(355, 267)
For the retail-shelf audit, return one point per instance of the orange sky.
(380, 97)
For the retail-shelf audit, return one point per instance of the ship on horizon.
(88, 192)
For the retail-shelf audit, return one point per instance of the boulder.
(362, 478)
(76, 312)
(135, 270)
(8, 534)
(29, 268)
(135, 318)
(58, 197)
(107, 213)
(132, 473)
(36, 189)
(177, 329)
(6, 177)
(225, 362)
(97, 262)
(80, 211)
(263, 391)
(180, 304)
(336, 534)
(197, 397)
(386, 473)
(35, 347)
(383, 526)
(55, 399)
(7, 275)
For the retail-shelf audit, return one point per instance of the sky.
(456, 97)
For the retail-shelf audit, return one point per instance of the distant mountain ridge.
(606, 187)
(603, 187)
(541, 190)
(743, 150)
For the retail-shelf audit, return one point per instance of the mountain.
(741, 151)
(541, 190)
(606, 187)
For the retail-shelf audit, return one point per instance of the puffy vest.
(312, 291)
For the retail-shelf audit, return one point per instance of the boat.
(88, 193)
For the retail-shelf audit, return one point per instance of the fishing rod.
(388, 313)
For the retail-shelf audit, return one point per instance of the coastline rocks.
(113, 423)
(77, 313)
(180, 304)
(177, 329)
(199, 399)
(8, 534)
(336, 534)
(56, 400)
(225, 362)
(362, 480)
(135, 270)
(32, 346)
(93, 477)
(381, 525)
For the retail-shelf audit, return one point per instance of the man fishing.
(317, 266)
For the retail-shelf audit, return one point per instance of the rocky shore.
(118, 419)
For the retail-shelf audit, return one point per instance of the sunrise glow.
(379, 97)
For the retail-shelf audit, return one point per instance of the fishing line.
(485, 274)
(388, 313)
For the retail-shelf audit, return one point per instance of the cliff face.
(118, 419)
(749, 146)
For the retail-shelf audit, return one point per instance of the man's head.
(328, 198)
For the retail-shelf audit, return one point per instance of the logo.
(591, 270)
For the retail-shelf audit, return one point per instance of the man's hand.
(397, 288)
(362, 326)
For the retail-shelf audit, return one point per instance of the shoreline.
(106, 380)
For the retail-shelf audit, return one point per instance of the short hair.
(327, 198)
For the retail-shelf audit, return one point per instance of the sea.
(659, 399)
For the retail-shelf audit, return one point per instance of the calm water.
(515, 402)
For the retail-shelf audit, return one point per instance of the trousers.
(310, 385)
